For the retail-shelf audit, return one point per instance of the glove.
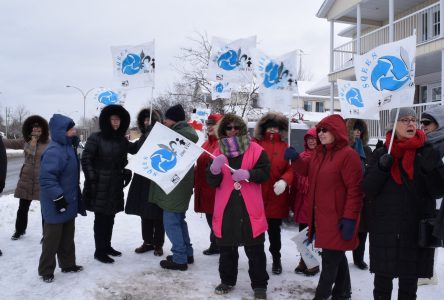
(217, 164)
(240, 175)
(429, 159)
(279, 187)
(385, 162)
(60, 204)
(127, 174)
(379, 144)
(291, 154)
(347, 227)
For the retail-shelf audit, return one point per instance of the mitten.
(127, 174)
(60, 204)
(291, 154)
(429, 159)
(347, 227)
(216, 165)
(241, 174)
(385, 162)
(279, 187)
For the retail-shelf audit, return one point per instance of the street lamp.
(84, 96)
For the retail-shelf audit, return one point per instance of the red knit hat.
(214, 118)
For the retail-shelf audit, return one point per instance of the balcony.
(426, 22)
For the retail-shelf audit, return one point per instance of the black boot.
(276, 267)
(102, 257)
(171, 265)
(113, 252)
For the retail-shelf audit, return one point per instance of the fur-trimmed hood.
(351, 137)
(105, 123)
(28, 124)
(227, 119)
(145, 113)
(278, 118)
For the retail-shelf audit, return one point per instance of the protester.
(103, 161)
(34, 142)
(3, 167)
(431, 121)
(203, 193)
(299, 197)
(401, 189)
(270, 132)
(358, 140)
(335, 202)
(60, 198)
(151, 215)
(239, 216)
(175, 204)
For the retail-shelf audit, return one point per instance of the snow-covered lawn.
(139, 276)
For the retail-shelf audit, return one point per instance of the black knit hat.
(175, 113)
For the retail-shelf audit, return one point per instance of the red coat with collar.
(203, 193)
(276, 207)
(335, 175)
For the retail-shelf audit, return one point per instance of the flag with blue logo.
(231, 61)
(106, 96)
(220, 90)
(353, 103)
(134, 66)
(276, 78)
(165, 157)
(386, 74)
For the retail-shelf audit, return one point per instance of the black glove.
(379, 144)
(385, 162)
(291, 154)
(429, 159)
(127, 174)
(60, 204)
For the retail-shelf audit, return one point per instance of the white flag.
(276, 79)
(134, 65)
(165, 157)
(354, 104)
(220, 90)
(386, 74)
(231, 61)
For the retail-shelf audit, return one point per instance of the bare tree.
(20, 114)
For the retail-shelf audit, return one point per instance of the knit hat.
(175, 113)
(403, 112)
(213, 119)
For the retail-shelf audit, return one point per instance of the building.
(377, 22)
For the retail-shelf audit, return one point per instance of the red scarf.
(404, 150)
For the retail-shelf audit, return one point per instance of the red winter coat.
(299, 186)
(203, 193)
(335, 175)
(276, 207)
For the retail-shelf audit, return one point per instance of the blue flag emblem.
(390, 73)
(108, 97)
(164, 159)
(354, 97)
(131, 64)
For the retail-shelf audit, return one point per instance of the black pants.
(21, 223)
(358, 253)
(274, 236)
(153, 232)
(57, 239)
(103, 231)
(213, 244)
(384, 286)
(257, 265)
(334, 271)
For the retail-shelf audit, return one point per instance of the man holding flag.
(175, 203)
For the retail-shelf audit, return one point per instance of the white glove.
(279, 187)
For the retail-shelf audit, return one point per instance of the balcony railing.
(426, 22)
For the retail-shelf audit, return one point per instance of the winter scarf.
(404, 151)
(234, 146)
(359, 148)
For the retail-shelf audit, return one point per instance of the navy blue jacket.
(59, 173)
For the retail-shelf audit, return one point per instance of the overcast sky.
(48, 44)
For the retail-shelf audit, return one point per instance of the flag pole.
(393, 131)
(151, 103)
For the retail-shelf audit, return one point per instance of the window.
(307, 106)
(320, 106)
(429, 24)
(430, 92)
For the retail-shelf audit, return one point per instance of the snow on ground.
(139, 276)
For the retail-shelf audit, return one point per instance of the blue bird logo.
(390, 73)
(354, 97)
(165, 158)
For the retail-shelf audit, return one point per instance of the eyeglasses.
(321, 129)
(426, 122)
(232, 127)
(407, 121)
(210, 123)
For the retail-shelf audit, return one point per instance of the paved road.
(14, 166)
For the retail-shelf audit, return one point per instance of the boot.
(144, 248)
(361, 265)
(276, 267)
(16, 235)
(260, 294)
(190, 259)
(158, 251)
(211, 250)
(113, 252)
(171, 265)
(223, 288)
(73, 269)
(311, 272)
(301, 267)
(103, 258)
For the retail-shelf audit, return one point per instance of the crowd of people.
(338, 190)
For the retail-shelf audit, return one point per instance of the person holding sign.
(237, 171)
(401, 187)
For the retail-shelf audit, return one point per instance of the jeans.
(176, 230)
